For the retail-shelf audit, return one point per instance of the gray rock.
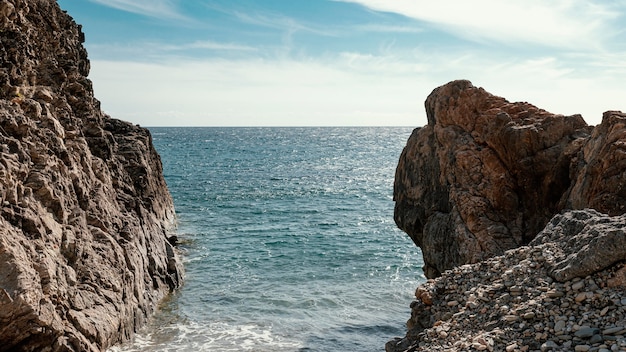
(586, 332)
(549, 346)
(596, 338)
(588, 241)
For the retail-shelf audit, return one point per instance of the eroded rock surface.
(84, 256)
(486, 175)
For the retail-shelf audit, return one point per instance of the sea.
(288, 240)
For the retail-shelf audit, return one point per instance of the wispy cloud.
(209, 45)
(380, 28)
(163, 9)
(163, 52)
(282, 22)
(560, 23)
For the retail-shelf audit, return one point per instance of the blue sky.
(346, 62)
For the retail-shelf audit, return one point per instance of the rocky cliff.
(502, 186)
(85, 212)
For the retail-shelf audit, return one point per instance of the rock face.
(486, 175)
(84, 254)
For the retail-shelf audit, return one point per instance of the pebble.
(549, 346)
(613, 330)
(596, 339)
(578, 285)
(581, 297)
(512, 347)
(586, 332)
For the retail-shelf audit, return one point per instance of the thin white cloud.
(163, 9)
(212, 45)
(379, 28)
(560, 23)
(281, 22)
(154, 51)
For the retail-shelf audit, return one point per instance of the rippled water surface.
(289, 240)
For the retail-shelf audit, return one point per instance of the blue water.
(289, 241)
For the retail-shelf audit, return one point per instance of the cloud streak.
(162, 9)
(571, 24)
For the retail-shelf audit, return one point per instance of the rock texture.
(519, 215)
(84, 255)
(486, 175)
(551, 295)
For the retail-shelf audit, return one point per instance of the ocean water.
(288, 239)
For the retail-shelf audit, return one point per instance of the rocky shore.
(520, 217)
(85, 212)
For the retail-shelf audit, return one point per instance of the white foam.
(210, 337)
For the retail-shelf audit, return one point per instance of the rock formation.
(486, 175)
(84, 254)
(502, 186)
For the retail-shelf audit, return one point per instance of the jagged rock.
(85, 212)
(598, 173)
(582, 243)
(485, 175)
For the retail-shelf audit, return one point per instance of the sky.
(346, 62)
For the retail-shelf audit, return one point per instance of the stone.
(578, 285)
(595, 339)
(85, 213)
(613, 330)
(549, 346)
(465, 181)
(581, 297)
(559, 326)
(511, 347)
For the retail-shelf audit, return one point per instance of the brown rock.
(84, 256)
(485, 175)
(619, 280)
(598, 177)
